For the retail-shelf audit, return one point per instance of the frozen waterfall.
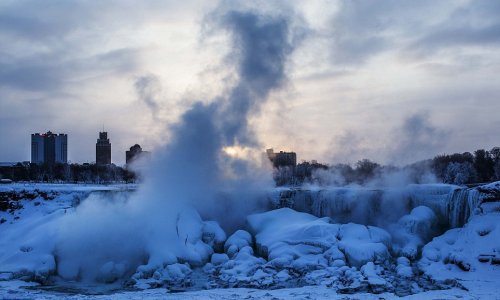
(452, 204)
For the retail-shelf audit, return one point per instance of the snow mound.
(237, 241)
(362, 244)
(213, 235)
(304, 242)
(287, 237)
(414, 230)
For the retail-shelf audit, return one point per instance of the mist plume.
(192, 172)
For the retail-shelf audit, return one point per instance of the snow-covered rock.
(285, 236)
(237, 241)
(218, 259)
(213, 235)
(412, 231)
(404, 268)
(362, 244)
(468, 249)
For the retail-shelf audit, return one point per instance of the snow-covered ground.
(65, 187)
(15, 290)
(280, 254)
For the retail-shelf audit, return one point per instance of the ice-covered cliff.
(452, 204)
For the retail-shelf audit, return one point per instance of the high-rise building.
(49, 148)
(134, 153)
(282, 159)
(103, 149)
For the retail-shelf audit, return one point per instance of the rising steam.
(192, 171)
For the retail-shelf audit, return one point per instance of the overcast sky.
(393, 81)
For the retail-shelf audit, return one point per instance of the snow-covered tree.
(496, 168)
(460, 173)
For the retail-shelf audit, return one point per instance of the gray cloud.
(53, 72)
(364, 29)
(148, 88)
(476, 23)
(357, 32)
(418, 138)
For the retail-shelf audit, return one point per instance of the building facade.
(103, 149)
(49, 148)
(135, 153)
(282, 159)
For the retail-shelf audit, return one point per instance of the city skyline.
(102, 150)
(387, 82)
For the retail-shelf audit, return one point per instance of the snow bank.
(28, 233)
(97, 240)
(474, 248)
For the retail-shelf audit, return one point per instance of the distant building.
(49, 148)
(103, 149)
(135, 153)
(282, 159)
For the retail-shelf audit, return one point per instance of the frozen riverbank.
(282, 253)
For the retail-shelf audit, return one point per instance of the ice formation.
(279, 248)
(452, 204)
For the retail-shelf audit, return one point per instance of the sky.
(392, 81)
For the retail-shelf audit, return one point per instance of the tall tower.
(37, 148)
(49, 148)
(103, 149)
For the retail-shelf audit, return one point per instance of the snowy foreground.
(420, 252)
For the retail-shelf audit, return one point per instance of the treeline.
(67, 173)
(466, 168)
(459, 168)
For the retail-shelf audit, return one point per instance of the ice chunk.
(362, 244)
(309, 262)
(218, 259)
(371, 272)
(237, 241)
(334, 254)
(359, 253)
(213, 235)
